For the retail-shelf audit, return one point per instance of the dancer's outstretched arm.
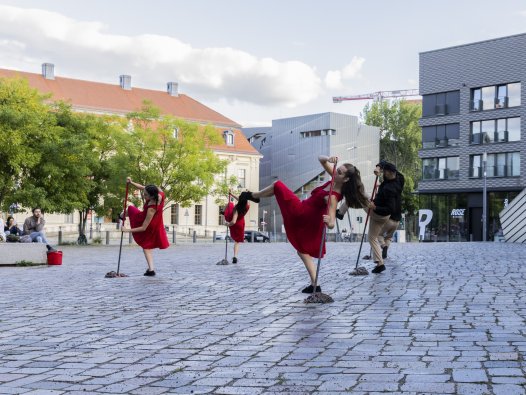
(330, 218)
(135, 184)
(234, 219)
(328, 162)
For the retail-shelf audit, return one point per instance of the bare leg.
(149, 259)
(236, 249)
(309, 265)
(265, 192)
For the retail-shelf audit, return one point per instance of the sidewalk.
(443, 318)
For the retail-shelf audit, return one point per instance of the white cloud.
(523, 13)
(86, 50)
(335, 79)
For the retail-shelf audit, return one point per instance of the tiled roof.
(107, 98)
(97, 96)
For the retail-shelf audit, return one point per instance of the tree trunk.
(83, 216)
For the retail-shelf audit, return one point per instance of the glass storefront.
(458, 217)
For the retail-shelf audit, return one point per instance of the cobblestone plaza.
(443, 318)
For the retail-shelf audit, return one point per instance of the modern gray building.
(473, 104)
(290, 150)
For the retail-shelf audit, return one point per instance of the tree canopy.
(401, 138)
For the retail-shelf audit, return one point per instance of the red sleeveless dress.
(237, 231)
(155, 235)
(303, 219)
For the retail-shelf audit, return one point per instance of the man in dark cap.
(387, 203)
(388, 230)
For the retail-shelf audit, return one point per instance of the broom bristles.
(222, 262)
(319, 297)
(359, 271)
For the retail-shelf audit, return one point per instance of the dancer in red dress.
(147, 225)
(235, 220)
(304, 220)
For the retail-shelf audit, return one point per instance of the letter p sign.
(424, 218)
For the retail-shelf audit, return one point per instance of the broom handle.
(122, 224)
(365, 226)
(324, 229)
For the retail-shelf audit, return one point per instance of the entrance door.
(475, 223)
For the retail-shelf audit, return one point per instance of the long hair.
(353, 189)
(241, 207)
(153, 191)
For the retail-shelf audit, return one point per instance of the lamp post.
(484, 198)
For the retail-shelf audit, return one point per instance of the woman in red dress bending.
(235, 220)
(147, 225)
(304, 220)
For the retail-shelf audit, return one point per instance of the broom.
(224, 261)
(362, 271)
(319, 297)
(113, 274)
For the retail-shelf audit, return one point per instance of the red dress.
(155, 235)
(237, 231)
(303, 219)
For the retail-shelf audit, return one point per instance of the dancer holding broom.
(304, 220)
(235, 220)
(147, 225)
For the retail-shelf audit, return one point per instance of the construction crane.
(377, 96)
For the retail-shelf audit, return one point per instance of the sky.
(252, 61)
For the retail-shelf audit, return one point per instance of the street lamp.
(484, 198)
(350, 149)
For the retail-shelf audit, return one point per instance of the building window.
(496, 130)
(229, 137)
(221, 220)
(174, 214)
(241, 178)
(70, 218)
(198, 218)
(441, 135)
(318, 133)
(446, 168)
(504, 164)
(498, 96)
(443, 103)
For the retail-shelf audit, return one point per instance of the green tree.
(401, 138)
(25, 125)
(174, 154)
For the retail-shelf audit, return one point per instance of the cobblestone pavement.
(443, 318)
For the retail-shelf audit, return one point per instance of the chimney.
(48, 71)
(172, 88)
(125, 82)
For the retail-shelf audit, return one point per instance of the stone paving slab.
(443, 318)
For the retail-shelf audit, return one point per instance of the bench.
(11, 253)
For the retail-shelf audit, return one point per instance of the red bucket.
(54, 258)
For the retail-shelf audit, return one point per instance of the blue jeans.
(38, 237)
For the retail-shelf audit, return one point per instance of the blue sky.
(253, 61)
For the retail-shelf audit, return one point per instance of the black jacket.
(388, 200)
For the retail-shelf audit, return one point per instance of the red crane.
(377, 96)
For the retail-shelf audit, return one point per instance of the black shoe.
(234, 260)
(248, 196)
(308, 290)
(149, 273)
(378, 269)
(384, 252)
